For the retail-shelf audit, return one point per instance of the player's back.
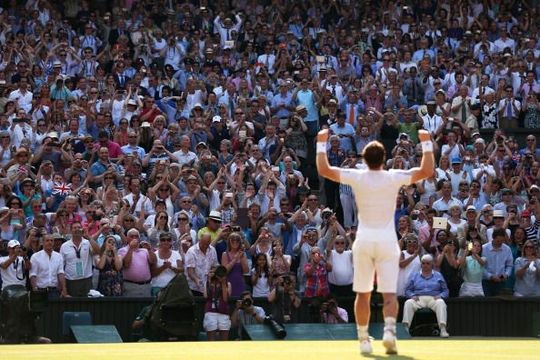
(375, 192)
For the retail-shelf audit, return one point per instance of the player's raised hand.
(322, 136)
(423, 135)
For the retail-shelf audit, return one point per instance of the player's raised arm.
(427, 165)
(323, 167)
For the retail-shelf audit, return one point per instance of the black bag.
(173, 314)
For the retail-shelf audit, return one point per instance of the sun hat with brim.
(215, 215)
(27, 181)
(498, 214)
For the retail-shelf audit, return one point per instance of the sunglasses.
(182, 219)
(166, 239)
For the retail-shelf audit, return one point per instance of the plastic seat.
(74, 318)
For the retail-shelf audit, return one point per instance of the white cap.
(215, 215)
(498, 213)
(13, 243)
(216, 118)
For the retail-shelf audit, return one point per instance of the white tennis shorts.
(370, 257)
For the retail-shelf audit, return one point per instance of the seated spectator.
(472, 264)
(426, 289)
(527, 270)
(246, 313)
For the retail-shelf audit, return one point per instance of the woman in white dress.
(409, 261)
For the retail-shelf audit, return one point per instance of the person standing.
(77, 254)
(47, 270)
(376, 247)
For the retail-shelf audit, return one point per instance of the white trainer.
(444, 333)
(389, 342)
(365, 347)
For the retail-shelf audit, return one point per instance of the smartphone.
(470, 246)
(440, 222)
(320, 59)
(275, 168)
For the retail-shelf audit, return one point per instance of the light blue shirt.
(307, 98)
(434, 285)
(499, 261)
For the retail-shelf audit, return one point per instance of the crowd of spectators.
(141, 139)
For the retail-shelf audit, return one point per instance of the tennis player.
(375, 249)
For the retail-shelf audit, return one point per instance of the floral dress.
(532, 117)
(110, 280)
(489, 116)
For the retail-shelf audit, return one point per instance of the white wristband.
(427, 146)
(321, 147)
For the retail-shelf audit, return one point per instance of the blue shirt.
(307, 98)
(433, 285)
(498, 261)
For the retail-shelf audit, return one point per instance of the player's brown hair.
(374, 155)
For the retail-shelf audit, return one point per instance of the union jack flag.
(61, 189)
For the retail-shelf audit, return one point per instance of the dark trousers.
(79, 288)
(492, 288)
(341, 290)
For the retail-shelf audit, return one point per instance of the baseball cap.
(456, 160)
(13, 243)
(471, 208)
(216, 118)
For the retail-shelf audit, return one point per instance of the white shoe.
(365, 346)
(444, 333)
(389, 342)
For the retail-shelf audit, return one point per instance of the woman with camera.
(217, 293)
(472, 266)
(109, 264)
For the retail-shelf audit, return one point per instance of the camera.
(220, 272)
(278, 329)
(246, 303)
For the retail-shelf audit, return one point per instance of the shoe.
(365, 347)
(444, 333)
(389, 342)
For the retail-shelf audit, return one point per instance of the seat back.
(74, 318)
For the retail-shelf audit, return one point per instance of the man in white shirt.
(47, 270)
(199, 259)
(22, 132)
(267, 59)
(431, 121)
(13, 266)
(77, 254)
(509, 109)
(184, 155)
(443, 204)
(137, 201)
(460, 108)
(22, 95)
(226, 28)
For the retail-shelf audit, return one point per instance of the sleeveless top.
(214, 301)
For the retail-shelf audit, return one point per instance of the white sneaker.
(444, 333)
(389, 342)
(365, 346)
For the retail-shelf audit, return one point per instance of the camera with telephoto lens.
(278, 329)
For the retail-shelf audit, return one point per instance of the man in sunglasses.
(77, 254)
